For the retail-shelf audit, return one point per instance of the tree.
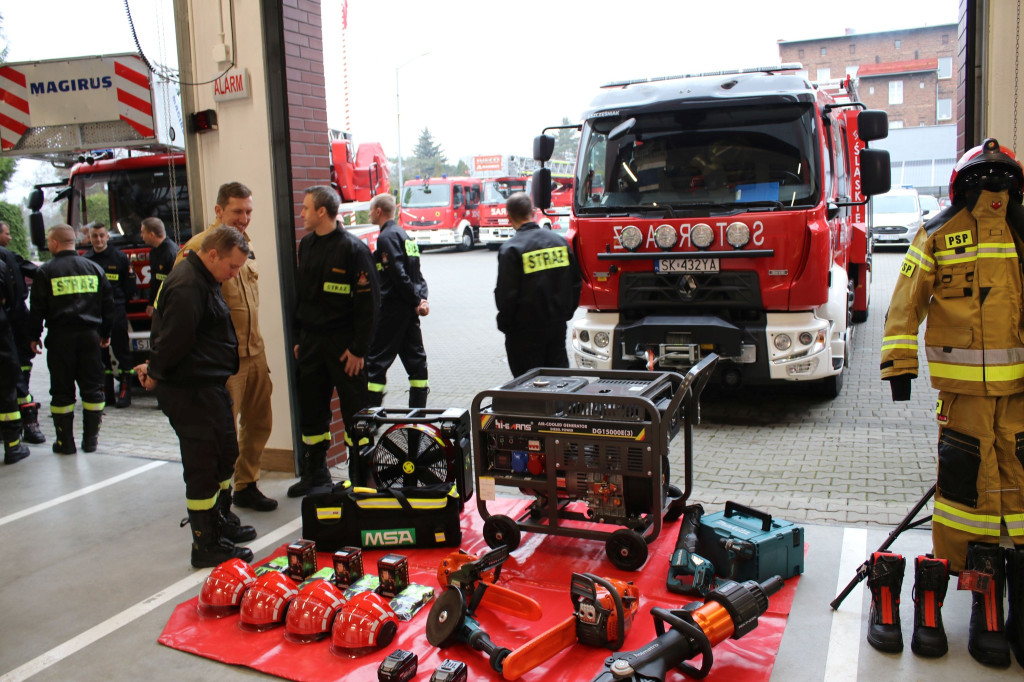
(428, 159)
(567, 141)
(427, 149)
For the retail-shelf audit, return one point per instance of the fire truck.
(119, 128)
(442, 211)
(724, 212)
(503, 176)
(494, 225)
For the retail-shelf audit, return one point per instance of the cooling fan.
(413, 455)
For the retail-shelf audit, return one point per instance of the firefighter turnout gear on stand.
(931, 578)
(338, 299)
(402, 289)
(250, 386)
(72, 295)
(985, 576)
(885, 580)
(122, 282)
(537, 292)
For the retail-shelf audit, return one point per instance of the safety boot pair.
(313, 472)
(209, 546)
(30, 432)
(985, 576)
(885, 580)
(14, 449)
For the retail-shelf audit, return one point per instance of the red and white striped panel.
(14, 111)
(134, 99)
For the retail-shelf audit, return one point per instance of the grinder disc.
(445, 617)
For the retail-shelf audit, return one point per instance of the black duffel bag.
(391, 517)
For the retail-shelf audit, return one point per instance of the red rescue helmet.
(366, 623)
(987, 166)
(265, 603)
(222, 591)
(312, 613)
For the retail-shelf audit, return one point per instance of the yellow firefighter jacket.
(242, 295)
(963, 271)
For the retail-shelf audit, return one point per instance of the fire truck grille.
(424, 223)
(647, 292)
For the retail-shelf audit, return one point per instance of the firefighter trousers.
(980, 473)
(398, 335)
(120, 344)
(10, 371)
(73, 357)
(250, 391)
(320, 374)
(540, 347)
(201, 417)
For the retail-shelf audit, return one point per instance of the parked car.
(929, 207)
(896, 216)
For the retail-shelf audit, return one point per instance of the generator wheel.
(626, 549)
(501, 530)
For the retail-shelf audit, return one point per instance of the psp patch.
(907, 268)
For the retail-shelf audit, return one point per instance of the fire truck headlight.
(782, 341)
(738, 235)
(806, 338)
(584, 336)
(702, 235)
(601, 339)
(665, 237)
(631, 238)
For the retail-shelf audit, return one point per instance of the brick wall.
(307, 132)
(919, 104)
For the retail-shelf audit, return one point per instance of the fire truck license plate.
(670, 265)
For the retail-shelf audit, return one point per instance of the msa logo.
(388, 538)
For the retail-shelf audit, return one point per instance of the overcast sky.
(495, 73)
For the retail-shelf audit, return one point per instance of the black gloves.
(900, 386)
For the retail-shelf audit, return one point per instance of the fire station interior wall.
(240, 150)
(1001, 53)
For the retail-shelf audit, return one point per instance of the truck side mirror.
(543, 147)
(35, 199)
(872, 124)
(542, 188)
(37, 230)
(875, 172)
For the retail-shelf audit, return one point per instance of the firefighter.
(403, 301)
(963, 272)
(250, 387)
(338, 299)
(10, 372)
(17, 268)
(162, 253)
(194, 353)
(72, 295)
(538, 291)
(122, 282)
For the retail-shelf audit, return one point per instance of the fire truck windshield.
(123, 198)
(426, 196)
(721, 156)
(498, 192)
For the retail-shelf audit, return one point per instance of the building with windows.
(911, 73)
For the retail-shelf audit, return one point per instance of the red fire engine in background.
(729, 219)
(442, 211)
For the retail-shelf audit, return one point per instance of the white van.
(896, 216)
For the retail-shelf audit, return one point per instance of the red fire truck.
(494, 226)
(724, 213)
(442, 211)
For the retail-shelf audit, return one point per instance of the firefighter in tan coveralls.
(963, 272)
(250, 388)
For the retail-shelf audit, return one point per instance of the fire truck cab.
(724, 213)
(442, 211)
(495, 228)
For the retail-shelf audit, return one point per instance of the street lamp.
(398, 117)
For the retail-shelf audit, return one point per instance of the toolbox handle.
(766, 519)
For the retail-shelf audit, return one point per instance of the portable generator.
(591, 447)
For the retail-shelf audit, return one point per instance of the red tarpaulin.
(540, 568)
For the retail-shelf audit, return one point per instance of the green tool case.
(747, 544)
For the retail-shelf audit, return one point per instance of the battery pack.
(747, 544)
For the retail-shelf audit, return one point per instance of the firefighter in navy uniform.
(194, 352)
(122, 282)
(17, 268)
(538, 291)
(162, 254)
(338, 298)
(72, 295)
(403, 300)
(10, 371)
(963, 272)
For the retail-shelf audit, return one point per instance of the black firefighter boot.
(931, 577)
(14, 449)
(1015, 614)
(230, 525)
(64, 443)
(91, 420)
(30, 432)
(208, 547)
(109, 394)
(418, 396)
(124, 390)
(885, 580)
(986, 570)
(313, 472)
